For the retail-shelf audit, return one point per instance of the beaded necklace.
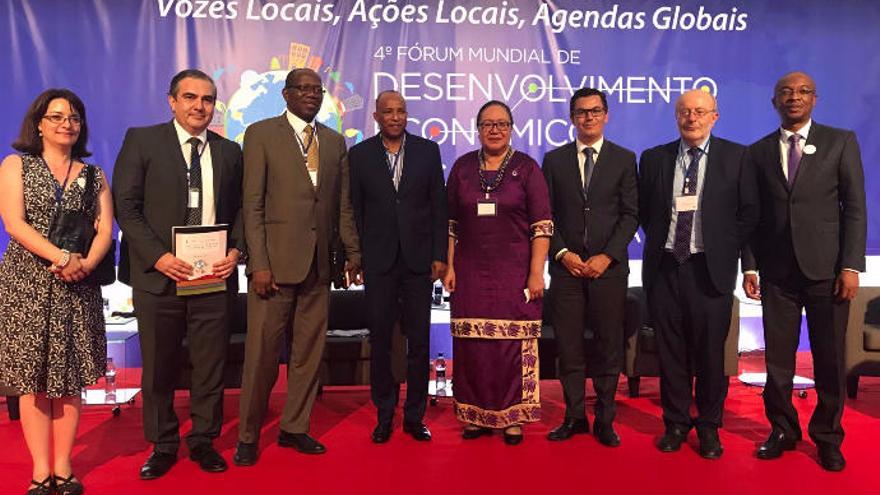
(489, 186)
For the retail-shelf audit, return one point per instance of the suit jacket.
(150, 193)
(411, 219)
(729, 208)
(820, 224)
(609, 212)
(287, 220)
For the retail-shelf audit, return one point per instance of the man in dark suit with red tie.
(698, 206)
(809, 249)
(179, 173)
(594, 198)
(399, 200)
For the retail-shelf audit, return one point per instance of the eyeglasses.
(305, 89)
(502, 126)
(58, 119)
(696, 112)
(580, 113)
(789, 92)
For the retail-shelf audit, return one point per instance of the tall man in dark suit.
(697, 205)
(295, 201)
(399, 200)
(179, 173)
(594, 198)
(809, 248)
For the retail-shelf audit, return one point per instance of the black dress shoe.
(830, 458)
(301, 442)
(777, 443)
(512, 438)
(474, 433)
(208, 459)
(606, 435)
(419, 431)
(382, 433)
(710, 444)
(672, 439)
(568, 429)
(157, 465)
(245, 454)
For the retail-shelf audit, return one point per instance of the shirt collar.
(804, 132)
(684, 147)
(183, 136)
(596, 146)
(298, 124)
(402, 144)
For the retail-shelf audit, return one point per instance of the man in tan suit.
(295, 201)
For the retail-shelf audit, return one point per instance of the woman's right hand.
(449, 279)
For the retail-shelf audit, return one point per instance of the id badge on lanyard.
(193, 197)
(487, 207)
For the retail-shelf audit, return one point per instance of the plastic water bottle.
(440, 374)
(110, 382)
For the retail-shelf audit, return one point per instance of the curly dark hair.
(29, 140)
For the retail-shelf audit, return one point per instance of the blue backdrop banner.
(447, 58)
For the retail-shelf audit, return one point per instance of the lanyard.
(59, 190)
(304, 148)
(200, 146)
(398, 157)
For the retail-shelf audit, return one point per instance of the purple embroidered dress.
(494, 330)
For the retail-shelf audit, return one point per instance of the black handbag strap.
(88, 198)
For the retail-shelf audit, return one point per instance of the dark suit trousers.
(598, 304)
(163, 322)
(782, 303)
(404, 295)
(691, 320)
(303, 308)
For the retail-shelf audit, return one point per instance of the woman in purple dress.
(499, 233)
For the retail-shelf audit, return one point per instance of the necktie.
(588, 168)
(794, 157)
(681, 247)
(589, 165)
(194, 214)
(311, 149)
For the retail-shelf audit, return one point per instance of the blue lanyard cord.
(59, 190)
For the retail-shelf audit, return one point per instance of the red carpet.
(110, 450)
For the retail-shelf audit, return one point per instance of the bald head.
(384, 96)
(796, 77)
(794, 98)
(696, 113)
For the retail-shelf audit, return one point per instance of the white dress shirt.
(209, 213)
(681, 164)
(784, 145)
(299, 127)
(582, 157)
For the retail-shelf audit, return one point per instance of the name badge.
(686, 203)
(486, 208)
(193, 201)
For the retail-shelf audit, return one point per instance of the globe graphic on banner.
(259, 97)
